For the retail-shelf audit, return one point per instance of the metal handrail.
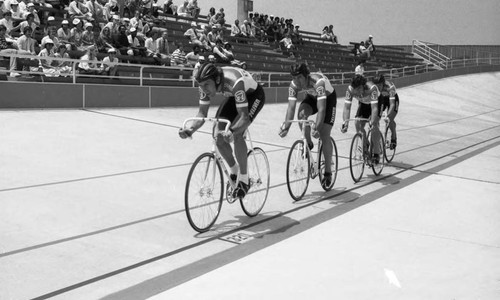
(266, 78)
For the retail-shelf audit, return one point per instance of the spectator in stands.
(110, 9)
(47, 64)
(220, 54)
(296, 36)
(193, 57)
(105, 40)
(29, 22)
(7, 22)
(369, 45)
(78, 10)
(30, 9)
(51, 35)
(194, 9)
(77, 35)
(360, 68)
(288, 45)
(211, 13)
(126, 21)
(109, 63)
(193, 35)
(3, 8)
(88, 37)
(64, 34)
(17, 14)
(96, 12)
(89, 63)
(178, 56)
(9, 48)
(169, 8)
(26, 42)
(64, 67)
(183, 11)
(235, 29)
(120, 41)
(114, 25)
(135, 44)
(363, 52)
(244, 29)
(136, 22)
(163, 48)
(332, 35)
(146, 6)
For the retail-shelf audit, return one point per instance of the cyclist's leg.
(306, 108)
(325, 132)
(364, 111)
(227, 110)
(392, 122)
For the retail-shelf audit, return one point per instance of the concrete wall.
(23, 95)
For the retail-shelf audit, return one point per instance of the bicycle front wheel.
(258, 176)
(389, 153)
(297, 170)
(204, 192)
(334, 164)
(377, 168)
(356, 157)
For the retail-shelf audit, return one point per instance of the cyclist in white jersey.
(367, 95)
(389, 100)
(320, 99)
(244, 100)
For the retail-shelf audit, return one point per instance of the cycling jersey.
(369, 94)
(241, 90)
(237, 83)
(387, 93)
(318, 85)
(388, 89)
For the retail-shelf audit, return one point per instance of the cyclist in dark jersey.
(389, 100)
(244, 100)
(367, 95)
(320, 99)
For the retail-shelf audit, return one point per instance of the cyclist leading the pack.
(320, 99)
(389, 100)
(367, 95)
(244, 100)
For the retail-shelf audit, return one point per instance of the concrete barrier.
(24, 95)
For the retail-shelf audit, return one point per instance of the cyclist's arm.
(292, 102)
(243, 119)
(347, 106)
(202, 111)
(392, 100)
(374, 94)
(321, 104)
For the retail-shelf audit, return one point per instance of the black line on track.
(216, 237)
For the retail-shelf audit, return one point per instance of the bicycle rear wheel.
(389, 153)
(258, 176)
(334, 164)
(204, 192)
(356, 158)
(377, 168)
(297, 170)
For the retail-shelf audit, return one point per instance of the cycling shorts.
(384, 103)
(256, 100)
(331, 104)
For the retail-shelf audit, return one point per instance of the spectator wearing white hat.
(47, 64)
(183, 11)
(30, 9)
(109, 64)
(77, 34)
(369, 45)
(51, 35)
(64, 34)
(17, 14)
(89, 63)
(135, 44)
(88, 37)
(193, 35)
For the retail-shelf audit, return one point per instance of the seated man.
(193, 8)
(178, 56)
(289, 46)
(245, 99)
(193, 57)
(89, 64)
(109, 63)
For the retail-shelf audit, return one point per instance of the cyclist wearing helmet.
(367, 95)
(320, 99)
(244, 100)
(389, 100)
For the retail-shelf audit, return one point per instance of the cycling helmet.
(298, 69)
(378, 79)
(358, 80)
(207, 71)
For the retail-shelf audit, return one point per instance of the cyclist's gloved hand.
(283, 132)
(185, 133)
(315, 134)
(227, 136)
(344, 128)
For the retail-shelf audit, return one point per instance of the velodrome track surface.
(91, 207)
